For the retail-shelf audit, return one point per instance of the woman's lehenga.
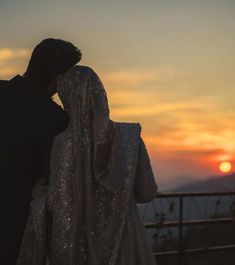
(99, 169)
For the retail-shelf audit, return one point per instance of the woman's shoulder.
(130, 131)
(82, 69)
(128, 126)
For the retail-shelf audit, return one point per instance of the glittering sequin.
(99, 169)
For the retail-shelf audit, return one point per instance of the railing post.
(180, 230)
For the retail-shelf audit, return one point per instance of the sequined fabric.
(34, 244)
(99, 169)
(60, 199)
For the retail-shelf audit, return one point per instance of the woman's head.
(84, 98)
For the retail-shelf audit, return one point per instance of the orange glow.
(225, 167)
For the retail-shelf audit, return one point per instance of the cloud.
(167, 107)
(9, 71)
(184, 127)
(12, 61)
(186, 141)
(140, 76)
(129, 104)
(7, 54)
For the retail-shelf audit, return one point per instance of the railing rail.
(195, 250)
(180, 223)
(190, 222)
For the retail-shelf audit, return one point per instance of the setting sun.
(225, 167)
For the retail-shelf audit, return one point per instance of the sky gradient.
(166, 64)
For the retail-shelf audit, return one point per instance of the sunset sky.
(168, 64)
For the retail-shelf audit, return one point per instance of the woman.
(99, 170)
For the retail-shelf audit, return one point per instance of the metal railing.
(180, 223)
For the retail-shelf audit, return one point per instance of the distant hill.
(212, 183)
(195, 207)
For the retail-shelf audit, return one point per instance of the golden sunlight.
(225, 167)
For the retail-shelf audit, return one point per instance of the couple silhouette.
(70, 178)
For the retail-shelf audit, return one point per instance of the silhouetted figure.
(29, 122)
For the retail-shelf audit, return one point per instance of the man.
(29, 121)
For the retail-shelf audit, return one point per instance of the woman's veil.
(104, 160)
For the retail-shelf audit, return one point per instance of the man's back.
(29, 122)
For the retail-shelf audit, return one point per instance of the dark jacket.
(29, 121)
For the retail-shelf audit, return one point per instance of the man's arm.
(2, 85)
(145, 187)
(58, 125)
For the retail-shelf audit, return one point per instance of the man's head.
(50, 59)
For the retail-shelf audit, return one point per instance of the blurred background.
(166, 64)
